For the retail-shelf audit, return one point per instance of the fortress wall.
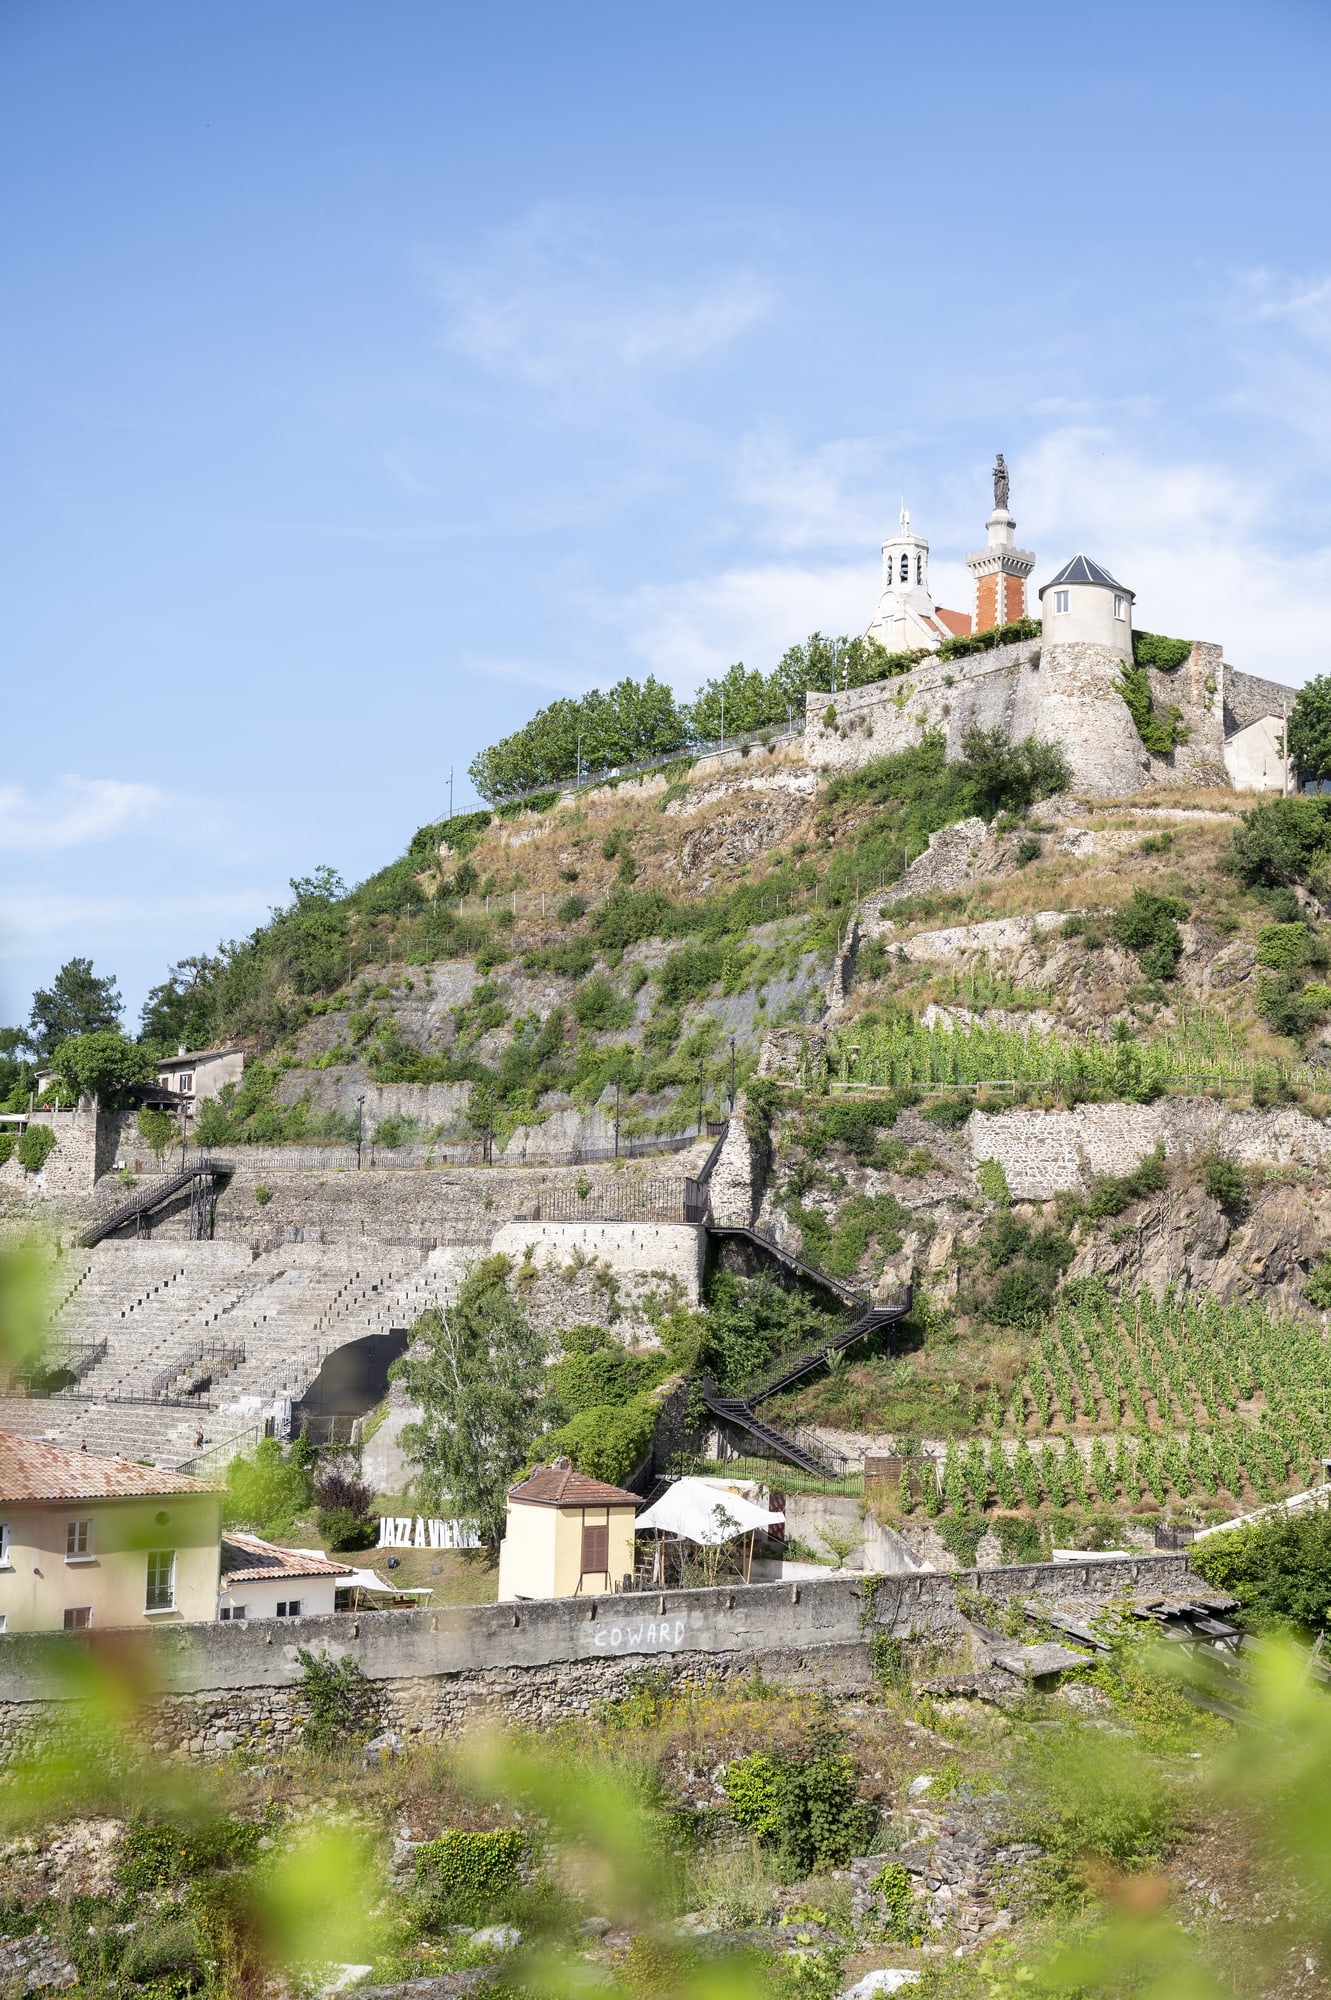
(1196, 691)
(1247, 698)
(1064, 694)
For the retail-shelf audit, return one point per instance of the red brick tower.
(1001, 570)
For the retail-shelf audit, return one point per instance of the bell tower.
(1001, 570)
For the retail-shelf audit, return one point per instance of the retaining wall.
(223, 1685)
(1044, 1152)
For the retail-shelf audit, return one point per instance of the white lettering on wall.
(640, 1636)
(401, 1531)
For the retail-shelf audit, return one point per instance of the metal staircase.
(201, 1179)
(798, 1448)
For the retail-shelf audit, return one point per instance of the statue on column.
(1000, 485)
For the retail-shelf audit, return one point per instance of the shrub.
(597, 1005)
(471, 1871)
(1317, 1291)
(345, 1532)
(262, 1195)
(1224, 1181)
(7, 1144)
(341, 1705)
(1009, 777)
(156, 1853)
(1283, 947)
(691, 973)
(35, 1148)
(804, 1806)
(949, 1111)
(1279, 1567)
(1149, 925)
(266, 1492)
(607, 1440)
(1151, 649)
(1028, 849)
(894, 1888)
(571, 909)
(992, 1181)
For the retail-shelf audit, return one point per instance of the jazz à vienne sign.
(404, 1531)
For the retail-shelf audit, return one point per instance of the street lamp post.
(450, 791)
(732, 1074)
(616, 1117)
(577, 781)
(700, 1069)
(360, 1126)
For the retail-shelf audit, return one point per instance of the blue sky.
(373, 375)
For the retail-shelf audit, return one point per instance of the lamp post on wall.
(732, 1075)
(360, 1126)
(616, 1117)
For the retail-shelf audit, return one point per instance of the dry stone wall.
(1043, 1153)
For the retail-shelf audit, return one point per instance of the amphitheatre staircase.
(797, 1447)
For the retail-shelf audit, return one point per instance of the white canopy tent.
(709, 1514)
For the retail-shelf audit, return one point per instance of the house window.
(78, 1617)
(595, 1549)
(186, 1084)
(78, 1541)
(5, 1563)
(161, 1580)
(231, 1611)
(4, 1621)
(290, 1609)
(1120, 607)
(1060, 600)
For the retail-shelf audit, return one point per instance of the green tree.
(16, 1072)
(1278, 1567)
(180, 1010)
(268, 1491)
(1308, 731)
(77, 1002)
(103, 1064)
(480, 1383)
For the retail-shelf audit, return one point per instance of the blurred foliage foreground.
(672, 1845)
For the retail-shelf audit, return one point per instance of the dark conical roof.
(1082, 570)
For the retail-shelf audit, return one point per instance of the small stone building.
(565, 1535)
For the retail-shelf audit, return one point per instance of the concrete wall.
(535, 1664)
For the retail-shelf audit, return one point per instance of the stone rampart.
(222, 1685)
(1247, 698)
(642, 1255)
(1064, 694)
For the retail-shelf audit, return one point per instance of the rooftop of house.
(558, 1485)
(195, 1056)
(245, 1556)
(1082, 570)
(33, 1469)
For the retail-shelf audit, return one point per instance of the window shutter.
(595, 1549)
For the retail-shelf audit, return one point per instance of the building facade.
(565, 1535)
(94, 1542)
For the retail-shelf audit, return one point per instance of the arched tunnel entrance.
(352, 1380)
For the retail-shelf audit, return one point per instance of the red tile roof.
(558, 1485)
(32, 1469)
(245, 1557)
(958, 623)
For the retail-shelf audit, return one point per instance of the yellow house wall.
(541, 1553)
(527, 1553)
(39, 1583)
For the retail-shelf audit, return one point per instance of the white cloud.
(1196, 542)
(553, 301)
(75, 812)
(687, 631)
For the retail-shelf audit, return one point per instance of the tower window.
(1060, 600)
(919, 569)
(905, 569)
(1120, 607)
